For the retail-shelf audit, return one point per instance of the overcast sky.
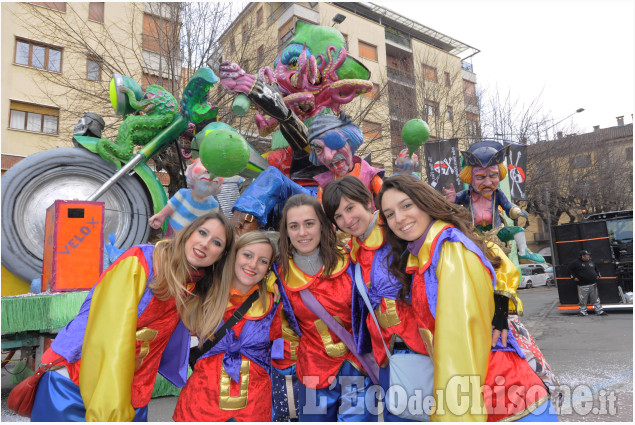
(579, 54)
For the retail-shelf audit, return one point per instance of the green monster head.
(318, 38)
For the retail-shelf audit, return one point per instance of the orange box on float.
(73, 245)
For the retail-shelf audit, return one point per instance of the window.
(59, 6)
(371, 130)
(582, 161)
(245, 33)
(446, 75)
(469, 91)
(261, 54)
(429, 73)
(345, 41)
(96, 11)
(93, 71)
(450, 113)
(259, 17)
(31, 117)
(367, 51)
(38, 55)
(472, 124)
(149, 79)
(232, 44)
(431, 108)
(285, 32)
(160, 35)
(629, 154)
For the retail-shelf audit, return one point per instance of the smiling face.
(304, 229)
(403, 217)
(333, 150)
(485, 180)
(353, 217)
(252, 263)
(206, 244)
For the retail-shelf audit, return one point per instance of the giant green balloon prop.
(224, 153)
(414, 134)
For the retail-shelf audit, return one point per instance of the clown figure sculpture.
(483, 171)
(188, 204)
(333, 141)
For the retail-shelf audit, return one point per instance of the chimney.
(559, 134)
(620, 121)
(596, 128)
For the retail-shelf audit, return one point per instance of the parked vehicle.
(534, 275)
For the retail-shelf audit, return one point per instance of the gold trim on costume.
(332, 349)
(145, 336)
(227, 402)
(427, 337)
(389, 317)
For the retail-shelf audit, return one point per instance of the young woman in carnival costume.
(133, 325)
(450, 277)
(231, 381)
(312, 259)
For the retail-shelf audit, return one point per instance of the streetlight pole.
(577, 111)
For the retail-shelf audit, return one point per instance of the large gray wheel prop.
(32, 185)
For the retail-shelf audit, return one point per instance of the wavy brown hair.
(348, 186)
(200, 308)
(329, 243)
(437, 207)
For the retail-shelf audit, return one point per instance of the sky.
(578, 54)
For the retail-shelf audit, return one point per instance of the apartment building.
(579, 174)
(58, 59)
(417, 71)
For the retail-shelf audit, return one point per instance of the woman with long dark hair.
(129, 328)
(450, 275)
(312, 259)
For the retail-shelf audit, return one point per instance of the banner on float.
(516, 167)
(443, 164)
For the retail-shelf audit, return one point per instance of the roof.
(387, 17)
(602, 135)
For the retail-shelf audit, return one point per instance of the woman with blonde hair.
(230, 381)
(129, 328)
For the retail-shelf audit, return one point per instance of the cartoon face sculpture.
(485, 180)
(333, 142)
(331, 149)
(199, 182)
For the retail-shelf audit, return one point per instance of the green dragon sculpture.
(158, 108)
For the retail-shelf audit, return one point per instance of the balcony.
(398, 39)
(399, 76)
(467, 66)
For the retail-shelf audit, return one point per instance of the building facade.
(577, 175)
(59, 58)
(416, 71)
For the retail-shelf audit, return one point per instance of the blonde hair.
(172, 272)
(466, 173)
(249, 238)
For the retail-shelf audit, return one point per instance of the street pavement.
(591, 356)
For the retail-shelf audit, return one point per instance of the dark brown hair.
(349, 187)
(329, 243)
(437, 207)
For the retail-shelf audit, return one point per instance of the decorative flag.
(516, 167)
(443, 164)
